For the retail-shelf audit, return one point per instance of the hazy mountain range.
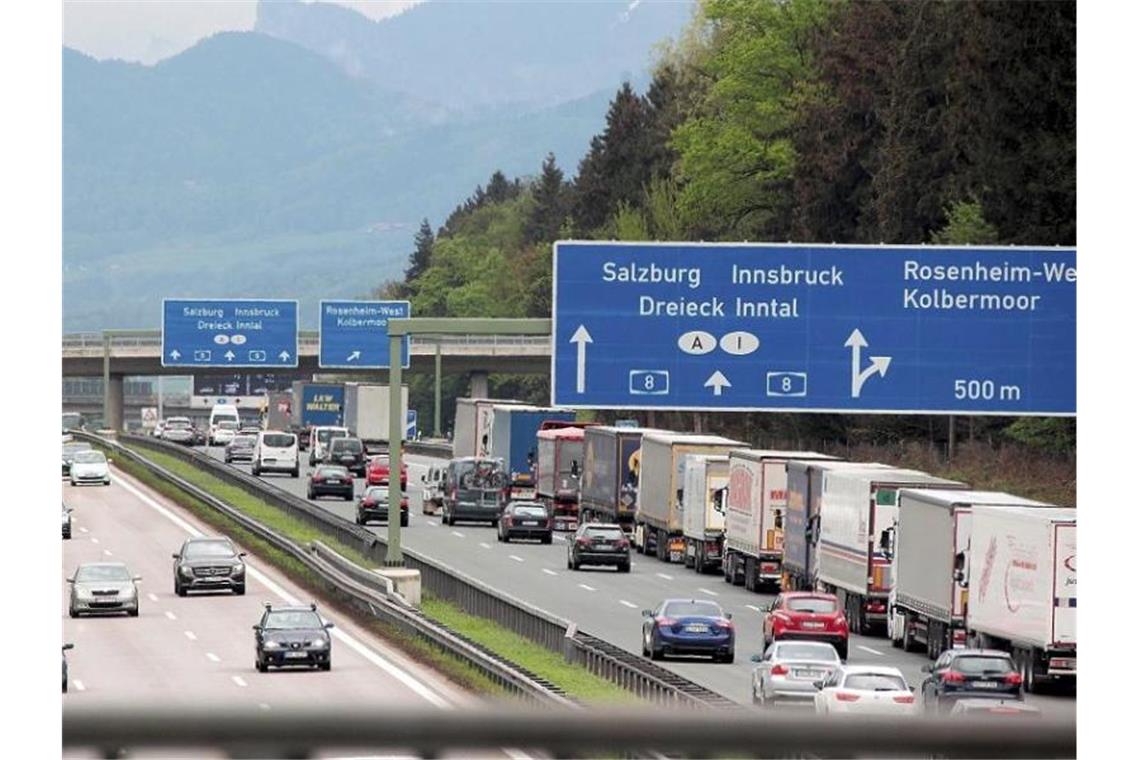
(297, 160)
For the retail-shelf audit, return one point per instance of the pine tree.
(498, 188)
(549, 210)
(421, 256)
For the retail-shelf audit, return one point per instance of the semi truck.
(557, 475)
(278, 410)
(755, 514)
(705, 483)
(474, 423)
(514, 439)
(611, 473)
(366, 410)
(316, 404)
(657, 521)
(1023, 589)
(858, 512)
(931, 561)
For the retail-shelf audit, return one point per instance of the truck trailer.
(1023, 589)
(755, 515)
(474, 423)
(858, 512)
(278, 410)
(657, 521)
(366, 408)
(559, 470)
(316, 404)
(611, 473)
(514, 439)
(702, 510)
(931, 561)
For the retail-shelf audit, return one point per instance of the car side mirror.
(71, 580)
(137, 578)
(241, 554)
(174, 556)
(647, 613)
(818, 685)
(728, 616)
(329, 625)
(756, 658)
(927, 669)
(256, 627)
(912, 688)
(68, 646)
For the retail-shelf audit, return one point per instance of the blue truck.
(513, 439)
(316, 404)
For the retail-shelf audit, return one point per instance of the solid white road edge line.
(398, 673)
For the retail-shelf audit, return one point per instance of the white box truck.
(1023, 589)
(474, 425)
(702, 510)
(931, 561)
(754, 517)
(366, 412)
(858, 511)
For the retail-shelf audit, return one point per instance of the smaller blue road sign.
(215, 332)
(354, 334)
(413, 425)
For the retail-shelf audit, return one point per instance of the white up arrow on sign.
(229, 355)
(581, 337)
(175, 355)
(718, 382)
(879, 364)
(283, 356)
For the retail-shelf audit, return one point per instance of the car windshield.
(72, 448)
(277, 440)
(327, 471)
(199, 549)
(176, 425)
(89, 457)
(292, 619)
(350, 445)
(874, 682)
(811, 604)
(377, 492)
(380, 461)
(807, 651)
(227, 425)
(976, 665)
(528, 510)
(608, 533)
(688, 609)
(103, 573)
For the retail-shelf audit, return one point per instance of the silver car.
(103, 587)
(789, 670)
(178, 430)
(90, 467)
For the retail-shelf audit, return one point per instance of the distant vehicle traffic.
(103, 587)
(379, 471)
(208, 564)
(330, 480)
(866, 690)
(222, 413)
(319, 438)
(90, 467)
(474, 489)
(806, 616)
(969, 673)
(348, 452)
(373, 505)
(526, 519)
(178, 430)
(276, 451)
(223, 432)
(688, 627)
(599, 544)
(73, 421)
(789, 671)
(67, 521)
(70, 449)
(290, 636)
(241, 448)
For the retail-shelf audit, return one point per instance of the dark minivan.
(348, 453)
(474, 488)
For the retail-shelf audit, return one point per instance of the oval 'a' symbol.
(697, 342)
(221, 340)
(739, 343)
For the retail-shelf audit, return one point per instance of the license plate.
(603, 547)
(813, 625)
(334, 481)
(985, 684)
(296, 655)
(530, 522)
(813, 674)
(697, 628)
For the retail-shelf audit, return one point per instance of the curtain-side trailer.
(611, 473)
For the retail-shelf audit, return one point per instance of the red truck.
(561, 453)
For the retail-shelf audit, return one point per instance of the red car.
(379, 470)
(807, 616)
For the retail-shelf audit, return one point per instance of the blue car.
(688, 626)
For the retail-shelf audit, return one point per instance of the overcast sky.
(150, 30)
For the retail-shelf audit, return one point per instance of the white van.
(222, 413)
(319, 438)
(433, 489)
(276, 451)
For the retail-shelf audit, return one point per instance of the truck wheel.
(296, 471)
(726, 567)
(699, 561)
(662, 546)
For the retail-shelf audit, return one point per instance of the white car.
(276, 451)
(319, 438)
(90, 467)
(866, 690)
(222, 432)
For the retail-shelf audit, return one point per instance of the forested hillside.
(807, 120)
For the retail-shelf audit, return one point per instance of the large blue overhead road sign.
(212, 332)
(896, 329)
(354, 334)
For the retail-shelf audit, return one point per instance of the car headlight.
(238, 569)
(271, 644)
(84, 593)
(318, 643)
(185, 571)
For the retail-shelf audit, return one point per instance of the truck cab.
(561, 453)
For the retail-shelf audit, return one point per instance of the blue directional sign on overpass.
(824, 328)
(213, 332)
(354, 334)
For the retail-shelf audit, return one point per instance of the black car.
(348, 453)
(288, 636)
(599, 544)
(970, 673)
(208, 564)
(373, 505)
(526, 519)
(330, 480)
(69, 451)
(240, 449)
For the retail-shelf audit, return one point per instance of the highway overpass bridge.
(117, 354)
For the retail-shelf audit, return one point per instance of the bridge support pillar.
(479, 385)
(113, 402)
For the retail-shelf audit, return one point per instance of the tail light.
(584, 541)
(953, 676)
(666, 621)
(875, 607)
(1013, 679)
(846, 696)
(454, 493)
(906, 699)
(318, 478)
(507, 521)
(623, 543)
(404, 503)
(779, 670)
(838, 623)
(725, 623)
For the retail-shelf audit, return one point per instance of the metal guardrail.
(293, 732)
(640, 676)
(364, 595)
(438, 449)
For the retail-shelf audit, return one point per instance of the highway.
(199, 649)
(601, 601)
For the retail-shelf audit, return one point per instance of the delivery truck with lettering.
(316, 404)
(1023, 590)
(366, 413)
(611, 474)
(755, 513)
(514, 439)
(931, 561)
(705, 484)
(474, 425)
(657, 522)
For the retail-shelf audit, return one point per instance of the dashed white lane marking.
(190, 635)
(82, 529)
(560, 538)
(153, 597)
(457, 534)
(752, 607)
(238, 680)
(628, 604)
(868, 649)
(171, 615)
(78, 685)
(107, 552)
(548, 571)
(706, 591)
(433, 523)
(94, 540)
(516, 558)
(213, 657)
(666, 576)
(484, 545)
(588, 588)
(398, 673)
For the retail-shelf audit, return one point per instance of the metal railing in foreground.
(295, 732)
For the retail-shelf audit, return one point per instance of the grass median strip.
(574, 680)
